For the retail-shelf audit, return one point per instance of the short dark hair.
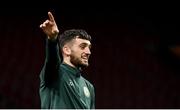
(70, 34)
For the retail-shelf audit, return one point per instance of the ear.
(66, 50)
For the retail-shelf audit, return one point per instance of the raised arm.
(52, 61)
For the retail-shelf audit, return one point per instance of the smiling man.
(61, 84)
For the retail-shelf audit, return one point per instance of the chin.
(84, 64)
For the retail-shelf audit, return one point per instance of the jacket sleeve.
(50, 69)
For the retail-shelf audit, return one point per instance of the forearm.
(52, 61)
(52, 51)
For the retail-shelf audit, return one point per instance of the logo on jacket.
(70, 83)
(86, 91)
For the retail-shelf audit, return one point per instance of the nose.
(87, 51)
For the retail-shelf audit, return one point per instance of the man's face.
(80, 52)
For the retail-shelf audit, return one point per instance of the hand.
(50, 27)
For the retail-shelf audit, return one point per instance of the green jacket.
(62, 86)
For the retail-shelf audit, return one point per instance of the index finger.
(51, 17)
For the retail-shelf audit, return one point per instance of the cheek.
(76, 53)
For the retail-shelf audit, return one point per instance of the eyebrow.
(86, 44)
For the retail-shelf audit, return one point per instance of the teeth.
(85, 58)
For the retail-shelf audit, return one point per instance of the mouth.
(85, 59)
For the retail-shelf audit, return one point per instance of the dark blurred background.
(135, 52)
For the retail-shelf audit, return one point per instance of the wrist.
(52, 38)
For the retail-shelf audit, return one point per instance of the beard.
(76, 61)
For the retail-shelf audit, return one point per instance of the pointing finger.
(51, 17)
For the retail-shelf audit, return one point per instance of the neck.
(69, 63)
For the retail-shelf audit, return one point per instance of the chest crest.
(86, 91)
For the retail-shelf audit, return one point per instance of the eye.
(90, 46)
(82, 46)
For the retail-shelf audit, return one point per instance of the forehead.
(80, 41)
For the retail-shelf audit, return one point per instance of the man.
(61, 83)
